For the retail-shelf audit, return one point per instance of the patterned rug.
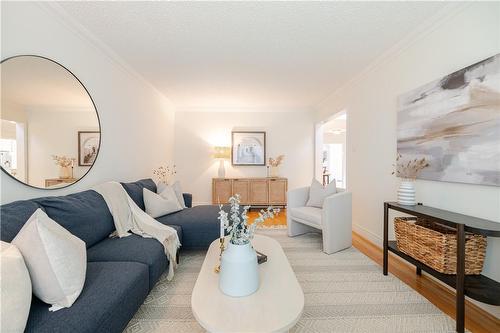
(344, 292)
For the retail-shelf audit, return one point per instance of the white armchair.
(333, 220)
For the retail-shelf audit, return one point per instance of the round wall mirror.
(50, 132)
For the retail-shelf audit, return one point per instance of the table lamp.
(222, 154)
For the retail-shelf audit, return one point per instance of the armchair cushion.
(309, 214)
(318, 193)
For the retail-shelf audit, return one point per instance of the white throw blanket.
(129, 217)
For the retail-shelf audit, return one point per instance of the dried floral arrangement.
(64, 161)
(237, 225)
(163, 174)
(410, 169)
(274, 162)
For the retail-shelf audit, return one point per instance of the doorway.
(330, 155)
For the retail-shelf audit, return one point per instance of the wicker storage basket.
(436, 245)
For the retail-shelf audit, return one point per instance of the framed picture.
(248, 148)
(88, 147)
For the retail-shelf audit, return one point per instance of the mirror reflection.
(50, 133)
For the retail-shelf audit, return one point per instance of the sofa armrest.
(297, 197)
(188, 199)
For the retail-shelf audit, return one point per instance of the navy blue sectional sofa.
(120, 271)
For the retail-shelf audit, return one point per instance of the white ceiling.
(249, 54)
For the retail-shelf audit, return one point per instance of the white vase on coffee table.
(406, 193)
(239, 271)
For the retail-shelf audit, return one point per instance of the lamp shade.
(222, 152)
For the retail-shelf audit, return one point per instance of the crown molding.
(449, 11)
(58, 12)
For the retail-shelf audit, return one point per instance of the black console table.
(478, 287)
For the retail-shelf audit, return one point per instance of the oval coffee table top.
(275, 307)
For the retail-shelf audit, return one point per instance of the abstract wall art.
(454, 122)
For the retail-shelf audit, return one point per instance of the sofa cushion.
(132, 248)
(200, 225)
(309, 214)
(135, 189)
(188, 199)
(84, 214)
(13, 216)
(112, 294)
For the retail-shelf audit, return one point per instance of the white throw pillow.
(56, 260)
(15, 285)
(178, 192)
(318, 193)
(160, 187)
(161, 204)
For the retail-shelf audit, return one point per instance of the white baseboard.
(372, 237)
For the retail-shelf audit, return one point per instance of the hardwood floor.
(277, 221)
(476, 319)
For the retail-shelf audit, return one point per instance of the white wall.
(464, 38)
(55, 133)
(137, 121)
(288, 133)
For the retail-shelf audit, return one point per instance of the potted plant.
(163, 176)
(408, 172)
(239, 274)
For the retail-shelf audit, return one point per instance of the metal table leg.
(386, 238)
(460, 287)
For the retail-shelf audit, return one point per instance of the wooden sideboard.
(252, 191)
(59, 181)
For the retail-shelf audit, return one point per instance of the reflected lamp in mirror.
(50, 131)
(222, 154)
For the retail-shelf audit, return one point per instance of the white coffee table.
(275, 307)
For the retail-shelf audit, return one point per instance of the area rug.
(344, 292)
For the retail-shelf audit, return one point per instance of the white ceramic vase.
(64, 172)
(239, 271)
(406, 193)
(275, 171)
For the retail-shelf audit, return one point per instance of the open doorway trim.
(318, 145)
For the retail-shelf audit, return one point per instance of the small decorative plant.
(409, 170)
(275, 162)
(64, 161)
(237, 224)
(163, 174)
